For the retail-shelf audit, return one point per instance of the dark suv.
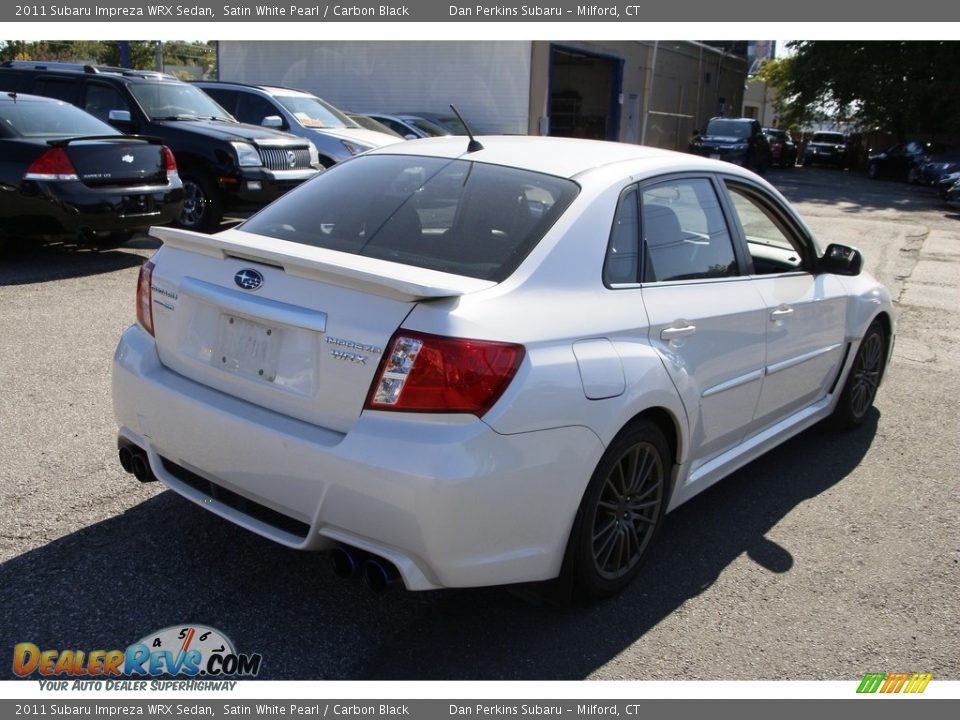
(737, 140)
(224, 165)
(826, 148)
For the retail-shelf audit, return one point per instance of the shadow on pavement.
(25, 263)
(165, 562)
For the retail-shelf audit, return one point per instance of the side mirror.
(410, 136)
(122, 121)
(841, 260)
(273, 121)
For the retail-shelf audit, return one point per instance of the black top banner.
(567, 11)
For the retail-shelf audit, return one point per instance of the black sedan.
(904, 160)
(64, 174)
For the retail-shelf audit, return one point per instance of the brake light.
(53, 164)
(169, 160)
(430, 373)
(145, 297)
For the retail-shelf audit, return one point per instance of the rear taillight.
(53, 164)
(145, 297)
(169, 160)
(430, 373)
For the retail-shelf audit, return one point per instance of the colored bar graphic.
(918, 683)
(905, 682)
(871, 682)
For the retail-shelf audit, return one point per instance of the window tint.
(772, 246)
(454, 216)
(227, 99)
(54, 88)
(101, 99)
(50, 120)
(621, 264)
(253, 109)
(685, 236)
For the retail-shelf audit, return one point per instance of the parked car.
(365, 121)
(952, 193)
(938, 167)
(463, 369)
(783, 150)
(66, 175)
(737, 140)
(448, 121)
(224, 165)
(826, 148)
(409, 127)
(335, 135)
(903, 161)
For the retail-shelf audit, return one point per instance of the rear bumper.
(450, 502)
(68, 208)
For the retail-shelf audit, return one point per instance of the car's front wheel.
(202, 203)
(860, 390)
(621, 511)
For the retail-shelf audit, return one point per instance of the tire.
(860, 389)
(621, 512)
(202, 203)
(873, 171)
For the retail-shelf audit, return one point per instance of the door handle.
(675, 333)
(780, 313)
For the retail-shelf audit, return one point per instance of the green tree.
(902, 87)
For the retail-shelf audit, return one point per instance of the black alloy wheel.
(621, 511)
(860, 389)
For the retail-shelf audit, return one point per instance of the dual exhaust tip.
(379, 575)
(134, 460)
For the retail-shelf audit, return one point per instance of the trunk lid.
(117, 162)
(298, 330)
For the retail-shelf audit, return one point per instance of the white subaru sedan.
(462, 366)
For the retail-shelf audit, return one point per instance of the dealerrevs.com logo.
(887, 683)
(191, 651)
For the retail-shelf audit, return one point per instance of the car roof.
(561, 157)
(268, 89)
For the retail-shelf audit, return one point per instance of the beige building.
(656, 93)
(758, 102)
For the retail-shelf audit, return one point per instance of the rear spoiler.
(379, 277)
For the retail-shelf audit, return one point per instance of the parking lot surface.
(832, 556)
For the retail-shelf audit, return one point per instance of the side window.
(772, 245)
(227, 99)
(65, 90)
(685, 236)
(623, 252)
(101, 99)
(403, 130)
(253, 109)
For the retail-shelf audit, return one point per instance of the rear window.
(455, 216)
(50, 120)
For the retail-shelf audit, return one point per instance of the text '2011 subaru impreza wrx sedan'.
(495, 365)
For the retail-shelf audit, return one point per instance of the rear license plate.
(247, 348)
